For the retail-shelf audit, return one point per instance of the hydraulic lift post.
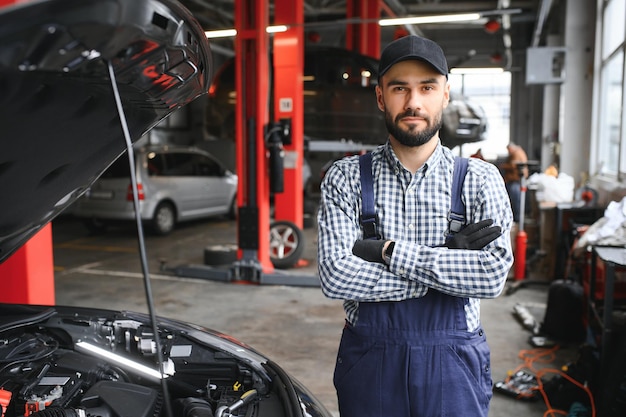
(252, 142)
(252, 115)
(288, 104)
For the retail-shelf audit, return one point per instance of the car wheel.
(164, 219)
(95, 226)
(286, 244)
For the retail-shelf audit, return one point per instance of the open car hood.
(59, 123)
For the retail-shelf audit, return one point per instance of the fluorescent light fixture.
(229, 33)
(225, 33)
(276, 29)
(125, 362)
(491, 70)
(416, 20)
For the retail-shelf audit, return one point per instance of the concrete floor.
(295, 326)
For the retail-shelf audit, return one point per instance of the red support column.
(252, 86)
(364, 37)
(28, 275)
(288, 103)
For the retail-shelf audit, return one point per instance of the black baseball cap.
(413, 47)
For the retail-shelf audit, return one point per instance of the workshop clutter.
(619, 289)
(610, 230)
(565, 390)
(556, 189)
(564, 316)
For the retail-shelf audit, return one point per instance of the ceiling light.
(496, 57)
(229, 33)
(220, 33)
(416, 20)
(492, 26)
(276, 29)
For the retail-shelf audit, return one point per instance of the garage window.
(610, 136)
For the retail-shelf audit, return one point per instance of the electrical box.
(545, 65)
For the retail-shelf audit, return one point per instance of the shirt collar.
(428, 167)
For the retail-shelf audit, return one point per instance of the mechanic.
(513, 174)
(412, 344)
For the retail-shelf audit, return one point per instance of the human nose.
(413, 100)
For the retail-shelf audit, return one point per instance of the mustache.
(411, 113)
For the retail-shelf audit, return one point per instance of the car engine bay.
(66, 365)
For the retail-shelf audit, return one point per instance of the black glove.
(474, 236)
(370, 250)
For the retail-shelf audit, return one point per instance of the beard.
(411, 136)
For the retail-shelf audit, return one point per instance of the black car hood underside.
(59, 122)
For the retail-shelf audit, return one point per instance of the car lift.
(255, 136)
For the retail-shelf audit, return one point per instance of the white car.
(175, 184)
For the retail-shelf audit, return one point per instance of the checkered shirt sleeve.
(413, 211)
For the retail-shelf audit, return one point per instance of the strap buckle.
(456, 222)
(370, 228)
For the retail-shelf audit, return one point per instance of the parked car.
(340, 104)
(80, 78)
(176, 184)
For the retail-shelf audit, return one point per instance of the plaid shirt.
(413, 212)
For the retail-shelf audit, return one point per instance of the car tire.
(286, 244)
(95, 226)
(220, 254)
(164, 219)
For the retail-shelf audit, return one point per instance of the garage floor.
(294, 325)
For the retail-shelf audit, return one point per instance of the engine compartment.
(81, 365)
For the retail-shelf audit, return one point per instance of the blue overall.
(413, 358)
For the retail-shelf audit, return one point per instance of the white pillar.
(576, 91)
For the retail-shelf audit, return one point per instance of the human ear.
(446, 95)
(379, 98)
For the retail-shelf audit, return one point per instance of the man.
(512, 177)
(412, 344)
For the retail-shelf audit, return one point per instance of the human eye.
(396, 86)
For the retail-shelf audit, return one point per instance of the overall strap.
(369, 218)
(457, 208)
